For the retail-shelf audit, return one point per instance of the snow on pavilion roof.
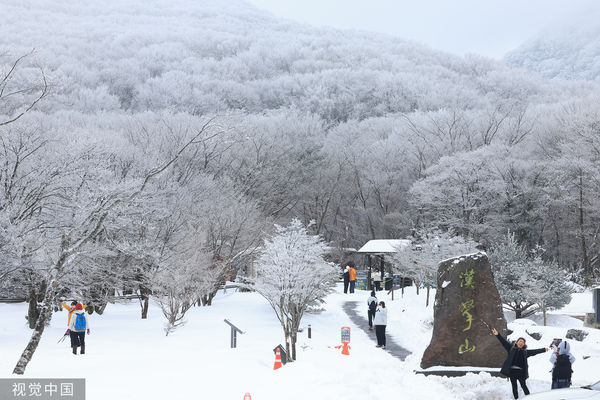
(383, 246)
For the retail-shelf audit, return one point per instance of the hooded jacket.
(516, 357)
(72, 322)
(70, 309)
(560, 369)
(563, 348)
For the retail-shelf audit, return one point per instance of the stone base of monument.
(590, 321)
(452, 372)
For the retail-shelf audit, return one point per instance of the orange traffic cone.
(346, 349)
(277, 360)
(247, 396)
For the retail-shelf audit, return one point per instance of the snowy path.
(391, 347)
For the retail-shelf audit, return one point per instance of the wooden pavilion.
(375, 252)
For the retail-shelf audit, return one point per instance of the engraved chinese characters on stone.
(466, 300)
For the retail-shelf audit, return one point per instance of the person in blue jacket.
(515, 367)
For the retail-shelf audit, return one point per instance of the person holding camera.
(380, 324)
(515, 367)
(561, 359)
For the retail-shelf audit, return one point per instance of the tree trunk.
(294, 339)
(144, 301)
(206, 299)
(100, 309)
(427, 301)
(402, 285)
(518, 311)
(544, 311)
(585, 260)
(145, 307)
(369, 286)
(286, 331)
(32, 312)
(44, 316)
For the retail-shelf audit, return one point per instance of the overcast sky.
(487, 27)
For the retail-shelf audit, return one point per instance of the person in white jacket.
(380, 324)
(78, 325)
(377, 280)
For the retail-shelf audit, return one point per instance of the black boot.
(83, 349)
(75, 350)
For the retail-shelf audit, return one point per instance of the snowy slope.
(571, 51)
(131, 358)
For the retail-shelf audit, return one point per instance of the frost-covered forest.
(138, 137)
(567, 50)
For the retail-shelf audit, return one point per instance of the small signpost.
(345, 340)
(361, 283)
(234, 331)
(282, 353)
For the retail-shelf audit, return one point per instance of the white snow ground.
(130, 358)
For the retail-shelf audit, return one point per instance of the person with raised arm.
(515, 366)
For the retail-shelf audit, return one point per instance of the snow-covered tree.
(525, 281)
(97, 185)
(546, 284)
(510, 265)
(22, 86)
(233, 228)
(428, 248)
(177, 284)
(292, 275)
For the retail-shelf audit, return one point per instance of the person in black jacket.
(515, 367)
(372, 304)
(346, 278)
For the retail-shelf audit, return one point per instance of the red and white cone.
(277, 360)
(247, 396)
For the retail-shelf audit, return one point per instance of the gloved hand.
(68, 332)
(88, 331)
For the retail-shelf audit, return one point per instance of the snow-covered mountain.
(569, 51)
(384, 110)
(210, 55)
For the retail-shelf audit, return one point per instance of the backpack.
(80, 322)
(562, 368)
(373, 305)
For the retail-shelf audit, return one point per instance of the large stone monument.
(592, 320)
(467, 306)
